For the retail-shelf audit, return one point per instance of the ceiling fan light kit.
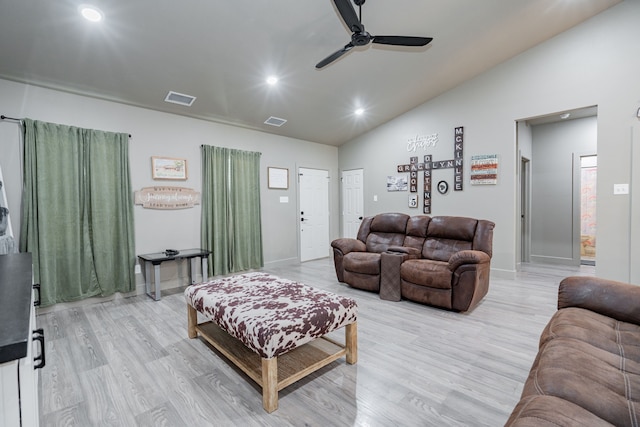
(360, 37)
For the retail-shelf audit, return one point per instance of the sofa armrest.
(467, 257)
(617, 300)
(346, 245)
(410, 253)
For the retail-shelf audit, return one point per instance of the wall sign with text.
(166, 197)
(484, 169)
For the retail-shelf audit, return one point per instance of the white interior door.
(352, 202)
(314, 213)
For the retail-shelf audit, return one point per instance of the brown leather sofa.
(587, 370)
(442, 261)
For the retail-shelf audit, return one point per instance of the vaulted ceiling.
(221, 52)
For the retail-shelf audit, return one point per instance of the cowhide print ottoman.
(257, 318)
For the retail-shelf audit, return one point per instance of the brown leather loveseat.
(442, 261)
(587, 370)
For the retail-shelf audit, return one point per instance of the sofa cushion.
(600, 331)
(362, 262)
(433, 274)
(390, 223)
(379, 242)
(416, 231)
(550, 411)
(591, 361)
(367, 282)
(447, 235)
(453, 227)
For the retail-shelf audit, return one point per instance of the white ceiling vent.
(180, 98)
(275, 121)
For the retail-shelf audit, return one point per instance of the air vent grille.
(180, 98)
(275, 121)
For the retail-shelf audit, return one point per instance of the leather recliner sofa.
(587, 370)
(442, 261)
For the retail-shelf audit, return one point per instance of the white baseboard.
(282, 262)
(503, 274)
(542, 259)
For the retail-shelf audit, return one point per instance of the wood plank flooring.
(129, 362)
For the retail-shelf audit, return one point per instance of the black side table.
(158, 258)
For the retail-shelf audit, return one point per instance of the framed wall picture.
(278, 178)
(168, 168)
(397, 183)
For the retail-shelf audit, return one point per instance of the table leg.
(147, 277)
(192, 269)
(270, 384)
(205, 268)
(351, 342)
(156, 278)
(192, 321)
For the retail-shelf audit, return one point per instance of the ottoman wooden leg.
(270, 384)
(351, 342)
(192, 321)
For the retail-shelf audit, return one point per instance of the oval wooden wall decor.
(167, 197)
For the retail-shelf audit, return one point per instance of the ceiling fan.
(360, 37)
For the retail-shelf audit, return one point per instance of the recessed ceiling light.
(359, 111)
(272, 80)
(91, 13)
(565, 116)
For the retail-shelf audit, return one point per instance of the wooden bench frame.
(295, 364)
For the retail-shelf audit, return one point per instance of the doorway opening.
(525, 209)
(588, 175)
(557, 173)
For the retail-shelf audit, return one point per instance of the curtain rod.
(3, 117)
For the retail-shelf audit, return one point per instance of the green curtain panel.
(77, 211)
(231, 224)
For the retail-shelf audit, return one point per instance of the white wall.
(594, 63)
(160, 134)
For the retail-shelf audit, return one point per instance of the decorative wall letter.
(428, 165)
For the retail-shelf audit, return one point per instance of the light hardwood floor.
(129, 362)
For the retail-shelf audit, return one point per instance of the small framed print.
(278, 178)
(168, 168)
(443, 187)
(397, 183)
(413, 200)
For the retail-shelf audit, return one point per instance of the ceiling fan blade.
(349, 15)
(335, 55)
(402, 40)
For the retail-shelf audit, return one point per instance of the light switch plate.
(620, 188)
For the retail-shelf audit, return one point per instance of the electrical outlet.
(137, 269)
(375, 198)
(620, 188)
